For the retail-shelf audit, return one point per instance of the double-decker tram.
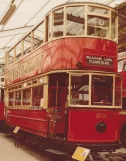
(122, 71)
(61, 81)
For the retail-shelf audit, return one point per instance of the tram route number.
(101, 115)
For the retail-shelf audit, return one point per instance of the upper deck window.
(75, 20)
(96, 10)
(18, 50)
(58, 22)
(38, 37)
(11, 56)
(27, 44)
(113, 26)
(120, 65)
(98, 26)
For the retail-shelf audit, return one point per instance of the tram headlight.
(101, 127)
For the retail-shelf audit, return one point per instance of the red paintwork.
(1, 111)
(64, 54)
(33, 121)
(82, 123)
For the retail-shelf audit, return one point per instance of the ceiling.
(18, 16)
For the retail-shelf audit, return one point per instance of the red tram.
(61, 80)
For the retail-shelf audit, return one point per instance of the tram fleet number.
(101, 115)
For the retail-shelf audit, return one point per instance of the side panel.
(82, 125)
(96, 54)
(30, 120)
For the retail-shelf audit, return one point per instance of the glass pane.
(117, 91)
(11, 99)
(75, 20)
(27, 44)
(18, 98)
(26, 96)
(11, 56)
(98, 26)
(120, 66)
(58, 23)
(38, 35)
(100, 84)
(79, 90)
(49, 26)
(37, 95)
(18, 50)
(113, 26)
(97, 10)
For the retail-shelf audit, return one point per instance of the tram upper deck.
(71, 36)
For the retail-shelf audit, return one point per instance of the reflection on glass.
(38, 35)
(18, 98)
(113, 26)
(117, 91)
(26, 96)
(75, 20)
(18, 50)
(97, 10)
(120, 66)
(11, 99)
(102, 90)
(79, 90)
(27, 44)
(98, 26)
(58, 23)
(37, 95)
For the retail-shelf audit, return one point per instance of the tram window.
(37, 95)
(113, 26)
(75, 20)
(38, 35)
(11, 99)
(124, 67)
(124, 103)
(18, 50)
(79, 90)
(11, 56)
(18, 98)
(27, 44)
(97, 10)
(98, 26)
(120, 66)
(48, 27)
(102, 90)
(117, 91)
(26, 96)
(58, 22)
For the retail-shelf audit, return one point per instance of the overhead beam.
(16, 31)
(3, 50)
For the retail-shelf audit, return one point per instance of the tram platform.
(8, 151)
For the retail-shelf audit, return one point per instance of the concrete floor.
(8, 151)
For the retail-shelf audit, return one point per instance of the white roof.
(26, 14)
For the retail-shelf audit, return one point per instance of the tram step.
(56, 152)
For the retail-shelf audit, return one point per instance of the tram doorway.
(58, 89)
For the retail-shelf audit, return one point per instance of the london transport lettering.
(96, 60)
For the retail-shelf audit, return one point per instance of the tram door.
(58, 86)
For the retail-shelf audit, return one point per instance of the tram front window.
(102, 90)
(79, 90)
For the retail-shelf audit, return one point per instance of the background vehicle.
(61, 80)
(121, 70)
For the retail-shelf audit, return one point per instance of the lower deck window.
(102, 90)
(79, 90)
(26, 96)
(18, 98)
(37, 95)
